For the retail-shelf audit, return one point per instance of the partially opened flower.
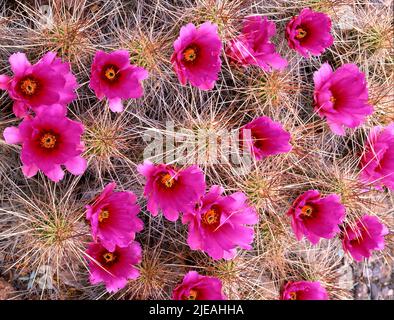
(114, 268)
(113, 76)
(341, 97)
(253, 46)
(219, 224)
(49, 140)
(309, 33)
(265, 137)
(171, 190)
(46, 83)
(316, 217)
(113, 217)
(197, 55)
(377, 162)
(367, 235)
(304, 290)
(198, 287)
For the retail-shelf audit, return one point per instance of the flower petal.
(116, 105)
(12, 135)
(76, 166)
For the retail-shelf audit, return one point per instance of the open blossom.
(115, 267)
(113, 76)
(377, 162)
(46, 83)
(304, 290)
(265, 137)
(367, 235)
(197, 55)
(113, 217)
(219, 224)
(341, 97)
(316, 217)
(309, 33)
(171, 190)
(253, 46)
(49, 140)
(198, 287)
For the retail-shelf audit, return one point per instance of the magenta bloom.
(198, 287)
(315, 217)
(115, 267)
(378, 159)
(265, 137)
(113, 76)
(366, 236)
(48, 141)
(171, 190)
(304, 290)
(253, 46)
(341, 96)
(309, 33)
(197, 55)
(113, 217)
(218, 224)
(46, 83)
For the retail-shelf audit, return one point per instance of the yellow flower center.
(48, 141)
(192, 295)
(29, 86)
(211, 217)
(301, 33)
(306, 211)
(104, 214)
(167, 180)
(332, 99)
(110, 73)
(109, 257)
(293, 295)
(190, 54)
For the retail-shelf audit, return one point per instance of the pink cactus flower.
(219, 224)
(315, 217)
(304, 290)
(197, 55)
(46, 83)
(49, 140)
(198, 287)
(309, 33)
(264, 137)
(113, 76)
(171, 190)
(253, 46)
(377, 162)
(114, 268)
(341, 97)
(113, 217)
(367, 235)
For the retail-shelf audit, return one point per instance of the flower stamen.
(333, 100)
(29, 86)
(306, 211)
(211, 217)
(192, 295)
(109, 257)
(190, 54)
(104, 214)
(48, 141)
(301, 33)
(293, 295)
(167, 180)
(111, 73)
